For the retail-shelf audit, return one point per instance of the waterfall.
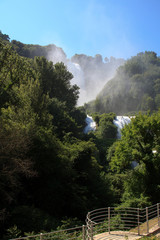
(79, 80)
(91, 125)
(120, 122)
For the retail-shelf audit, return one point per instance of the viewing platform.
(123, 223)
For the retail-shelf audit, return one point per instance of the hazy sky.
(119, 28)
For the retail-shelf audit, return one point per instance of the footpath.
(119, 235)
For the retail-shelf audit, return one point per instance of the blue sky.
(119, 28)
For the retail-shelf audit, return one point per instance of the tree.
(55, 80)
(90, 187)
(4, 36)
(67, 92)
(157, 101)
(98, 59)
(106, 127)
(140, 143)
(147, 103)
(15, 165)
(106, 59)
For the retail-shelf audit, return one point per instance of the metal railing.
(78, 233)
(131, 220)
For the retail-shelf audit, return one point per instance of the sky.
(119, 28)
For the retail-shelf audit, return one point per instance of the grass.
(143, 226)
(150, 238)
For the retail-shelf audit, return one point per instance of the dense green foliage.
(51, 173)
(49, 169)
(136, 87)
(140, 142)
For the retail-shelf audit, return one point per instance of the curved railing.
(132, 220)
(108, 220)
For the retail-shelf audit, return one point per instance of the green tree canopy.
(140, 142)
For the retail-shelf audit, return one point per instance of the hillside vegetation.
(51, 173)
(90, 73)
(49, 170)
(136, 87)
(96, 72)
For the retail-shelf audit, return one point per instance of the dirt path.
(117, 235)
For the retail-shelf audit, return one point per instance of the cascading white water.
(120, 122)
(78, 79)
(91, 124)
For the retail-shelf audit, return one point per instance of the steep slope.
(90, 73)
(136, 87)
(96, 72)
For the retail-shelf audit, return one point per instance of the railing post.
(109, 220)
(158, 214)
(41, 236)
(138, 221)
(84, 232)
(89, 226)
(147, 220)
(91, 231)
